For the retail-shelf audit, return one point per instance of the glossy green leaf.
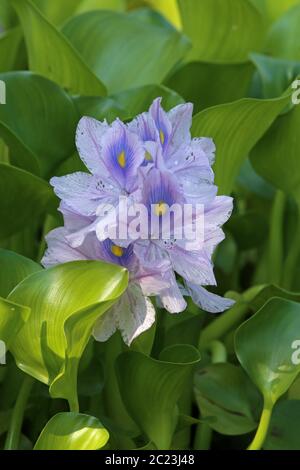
(92, 5)
(9, 41)
(276, 74)
(58, 12)
(12, 318)
(249, 180)
(100, 108)
(167, 8)
(55, 11)
(283, 39)
(14, 268)
(206, 84)
(265, 347)
(282, 139)
(126, 104)
(222, 30)
(273, 9)
(269, 291)
(224, 393)
(7, 17)
(55, 58)
(46, 137)
(235, 128)
(72, 431)
(138, 100)
(143, 51)
(151, 388)
(24, 197)
(65, 302)
(284, 428)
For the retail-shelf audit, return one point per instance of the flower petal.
(193, 266)
(88, 141)
(106, 325)
(59, 251)
(122, 154)
(171, 297)
(162, 123)
(181, 121)
(132, 315)
(207, 300)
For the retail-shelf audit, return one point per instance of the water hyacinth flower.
(154, 163)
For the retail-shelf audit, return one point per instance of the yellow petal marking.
(117, 251)
(162, 137)
(160, 208)
(148, 157)
(122, 159)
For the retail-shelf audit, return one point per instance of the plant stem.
(219, 327)
(204, 432)
(276, 239)
(74, 405)
(293, 255)
(13, 435)
(218, 352)
(203, 437)
(262, 429)
(228, 320)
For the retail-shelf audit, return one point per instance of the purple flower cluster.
(152, 161)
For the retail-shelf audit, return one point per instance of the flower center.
(122, 159)
(160, 208)
(117, 251)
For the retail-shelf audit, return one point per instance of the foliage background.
(235, 60)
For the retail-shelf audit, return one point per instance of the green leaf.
(236, 128)
(65, 302)
(269, 291)
(72, 431)
(14, 268)
(284, 428)
(222, 30)
(143, 51)
(88, 5)
(151, 388)
(126, 104)
(273, 9)
(12, 318)
(138, 100)
(265, 345)
(276, 156)
(283, 39)
(224, 393)
(55, 58)
(9, 41)
(24, 197)
(46, 137)
(56, 11)
(276, 74)
(206, 84)
(7, 16)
